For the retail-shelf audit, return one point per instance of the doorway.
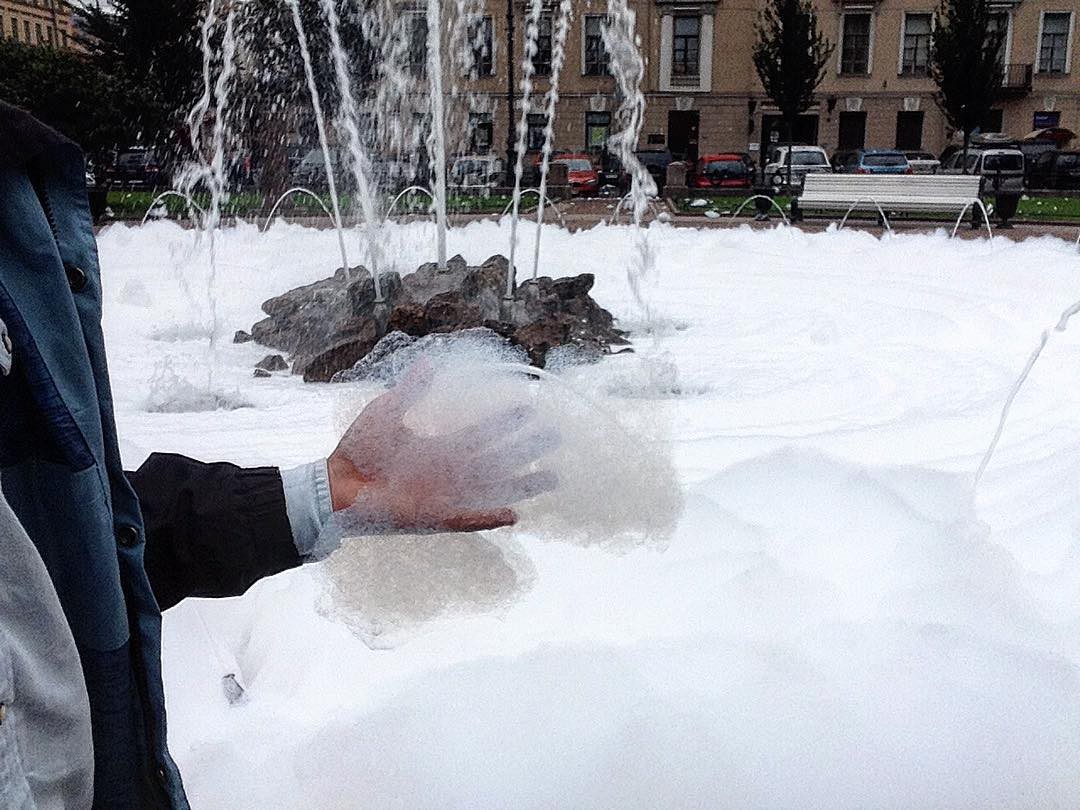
(683, 129)
(852, 131)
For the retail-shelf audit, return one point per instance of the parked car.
(803, 160)
(311, 170)
(840, 158)
(1057, 170)
(138, 167)
(580, 172)
(725, 170)
(614, 179)
(922, 162)
(476, 172)
(999, 168)
(656, 161)
(878, 161)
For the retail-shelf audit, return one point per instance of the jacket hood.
(23, 137)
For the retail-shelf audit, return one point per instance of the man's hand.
(398, 480)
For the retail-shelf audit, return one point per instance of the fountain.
(408, 103)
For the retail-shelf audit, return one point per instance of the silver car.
(923, 162)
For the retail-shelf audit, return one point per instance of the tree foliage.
(790, 55)
(65, 90)
(150, 51)
(965, 62)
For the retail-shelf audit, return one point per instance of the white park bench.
(886, 194)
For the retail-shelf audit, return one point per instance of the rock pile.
(330, 326)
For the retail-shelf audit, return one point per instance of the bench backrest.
(927, 187)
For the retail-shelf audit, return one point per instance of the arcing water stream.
(358, 159)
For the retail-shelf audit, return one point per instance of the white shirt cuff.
(307, 502)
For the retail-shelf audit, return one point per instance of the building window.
(597, 61)
(418, 45)
(49, 35)
(26, 31)
(916, 56)
(855, 51)
(597, 130)
(909, 127)
(1054, 42)
(999, 21)
(64, 33)
(37, 30)
(537, 126)
(14, 29)
(483, 49)
(685, 47)
(481, 133)
(542, 59)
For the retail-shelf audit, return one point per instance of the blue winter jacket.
(61, 464)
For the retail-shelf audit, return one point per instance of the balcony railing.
(1016, 79)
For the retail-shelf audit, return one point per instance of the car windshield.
(576, 164)
(654, 159)
(727, 167)
(1003, 163)
(885, 159)
(314, 157)
(920, 156)
(808, 159)
(470, 167)
(135, 158)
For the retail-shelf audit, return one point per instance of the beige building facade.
(37, 22)
(703, 94)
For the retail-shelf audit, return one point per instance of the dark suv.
(1059, 170)
(656, 161)
(138, 167)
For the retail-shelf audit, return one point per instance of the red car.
(582, 175)
(728, 170)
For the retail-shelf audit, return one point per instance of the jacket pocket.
(14, 788)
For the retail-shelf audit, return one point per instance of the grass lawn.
(724, 206)
(1049, 208)
(134, 204)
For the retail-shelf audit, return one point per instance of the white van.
(997, 167)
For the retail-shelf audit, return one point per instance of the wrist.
(345, 481)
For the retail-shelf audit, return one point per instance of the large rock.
(333, 325)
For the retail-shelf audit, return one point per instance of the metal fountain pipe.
(320, 124)
(438, 124)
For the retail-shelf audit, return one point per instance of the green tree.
(150, 51)
(65, 90)
(965, 61)
(790, 55)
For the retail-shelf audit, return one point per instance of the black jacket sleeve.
(211, 529)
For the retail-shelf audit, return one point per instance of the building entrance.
(682, 134)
